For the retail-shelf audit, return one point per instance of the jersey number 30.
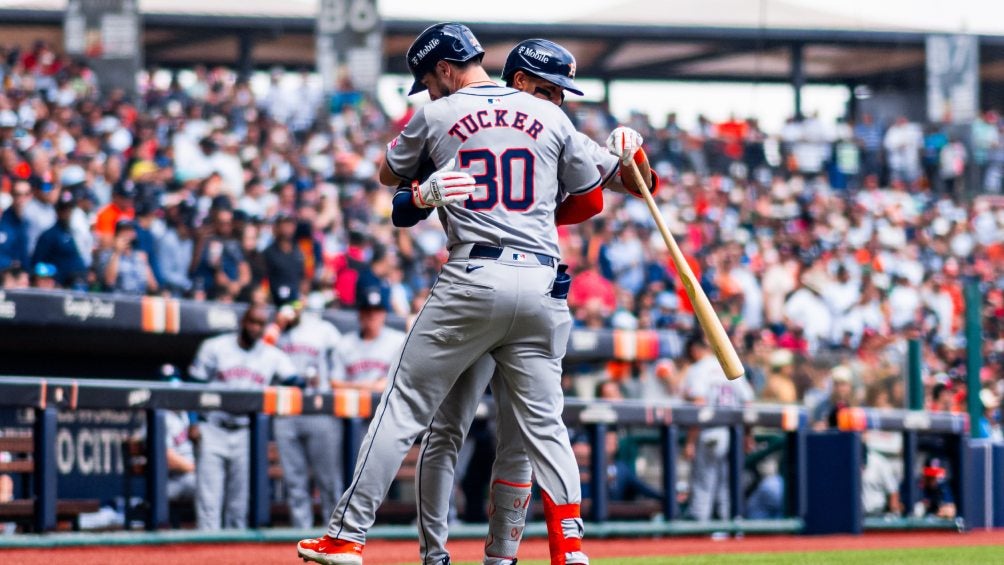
(499, 178)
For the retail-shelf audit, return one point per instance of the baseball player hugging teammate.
(238, 360)
(544, 69)
(501, 293)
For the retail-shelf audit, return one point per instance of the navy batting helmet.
(441, 42)
(545, 59)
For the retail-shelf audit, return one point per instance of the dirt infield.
(392, 553)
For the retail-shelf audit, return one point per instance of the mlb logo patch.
(493, 100)
(519, 256)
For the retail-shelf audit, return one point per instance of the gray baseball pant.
(502, 307)
(709, 480)
(222, 477)
(440, 447)
(309, 446)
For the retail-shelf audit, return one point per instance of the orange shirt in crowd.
(110, 215)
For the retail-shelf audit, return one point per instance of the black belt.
(482, 251)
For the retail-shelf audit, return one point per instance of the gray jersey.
(523, 153)
(311, 344)
(606, 163)
(222, 360)
(176, 431)
(362, 361)
(706, 380)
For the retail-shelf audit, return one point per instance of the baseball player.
(308, 445)
(365, 357)
(239, 361)
(545, 69)
(517, 154)
(708, 449)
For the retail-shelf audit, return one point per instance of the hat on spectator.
(123, 225)
(667, 300)
(44, 270)
(222, 202)
(372, 298)
(781, 358)
(72, 176)
(989, 399)
(284, 216)
(841, 374)
(39, 183)
(125, 189)
(145, 206)
(66, 201)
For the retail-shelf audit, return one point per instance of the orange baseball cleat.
(330, 551)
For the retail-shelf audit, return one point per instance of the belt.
(483, 251)
(226, 423)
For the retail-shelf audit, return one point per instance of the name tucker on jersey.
(497, 118)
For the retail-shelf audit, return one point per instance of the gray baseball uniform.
(180, 486)
(367, 360)
(492, 297)
(709, 479)
(222, 476)
(310, 445)
(511, 470)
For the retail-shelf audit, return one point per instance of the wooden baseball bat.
(712, 325)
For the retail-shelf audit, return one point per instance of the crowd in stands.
(820, 244)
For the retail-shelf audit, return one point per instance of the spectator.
(806, 309)
(220, 271)
(842, 396)
(125, 268)
(990, 423)
(43, 276)
(57, 247)
(14, 248)
(903, 142)
(257, 289)
(39, 213)
(121, 208)
(284, 262)
(174, 250)
(780, 386)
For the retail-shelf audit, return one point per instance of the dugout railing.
(822, 469)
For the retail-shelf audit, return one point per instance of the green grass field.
(929, 556)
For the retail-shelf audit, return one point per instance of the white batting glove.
(624, 142)
(443, 187)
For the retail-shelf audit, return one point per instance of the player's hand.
(443, 187)
(624, 142)
(689, 451)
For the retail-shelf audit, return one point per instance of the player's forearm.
(578, 208)
(405, 214)
(627, 179)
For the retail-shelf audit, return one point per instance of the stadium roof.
(837, 41)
